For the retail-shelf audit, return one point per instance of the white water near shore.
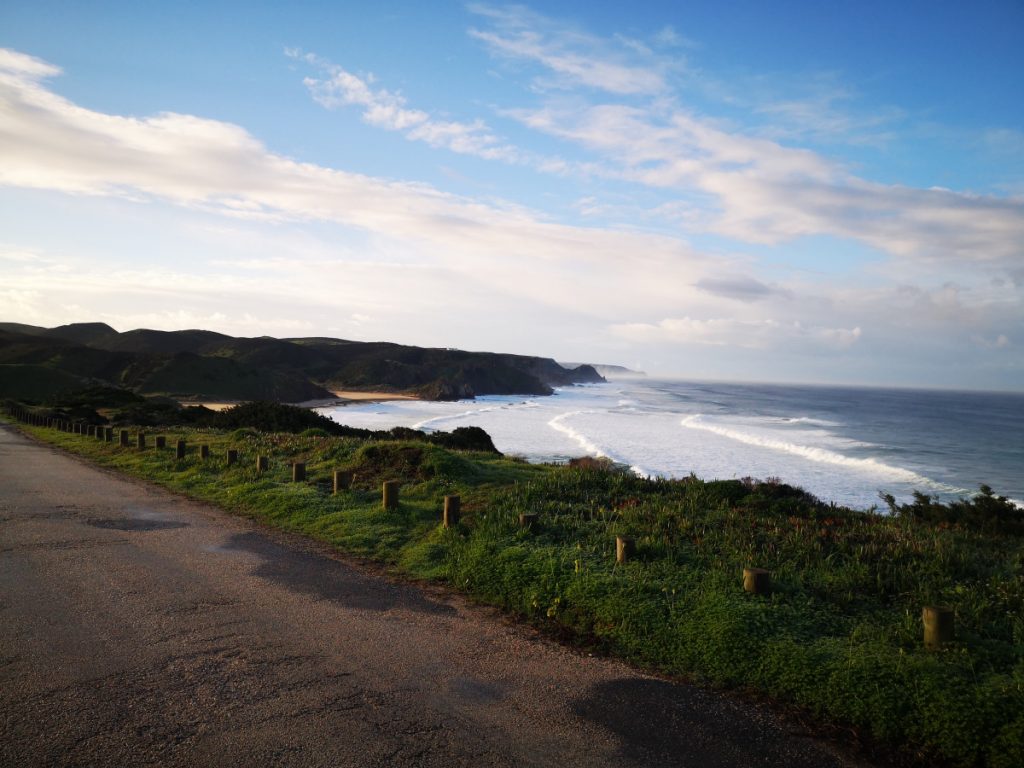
(842, 445)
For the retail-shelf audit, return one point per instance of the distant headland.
(199, 365)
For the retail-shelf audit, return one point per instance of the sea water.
(842, 444)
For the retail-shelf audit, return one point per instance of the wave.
(820, 455)
(809, 420)
(469, 413)
(590, 447)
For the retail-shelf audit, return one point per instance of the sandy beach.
(341, 397)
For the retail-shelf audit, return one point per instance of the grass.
(839, 636)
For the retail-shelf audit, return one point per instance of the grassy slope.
(35, 381)
(840, 635)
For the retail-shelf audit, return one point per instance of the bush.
(985, 512)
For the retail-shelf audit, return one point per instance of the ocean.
(842, 444)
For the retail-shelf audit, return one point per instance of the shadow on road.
(667, 720)
(328, 579)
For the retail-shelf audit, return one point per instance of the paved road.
(137, 628)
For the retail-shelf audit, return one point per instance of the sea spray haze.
(842, 444)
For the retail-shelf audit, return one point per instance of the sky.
(790, 191)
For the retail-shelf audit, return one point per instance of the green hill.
(207, 365)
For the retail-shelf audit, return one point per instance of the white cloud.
(519, 33)
(742, 182)
(388, 110)
(21, 64)
(759, 191)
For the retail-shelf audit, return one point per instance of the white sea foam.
(558, 424)
(809, 420)
(425, 424)
(817, 454)
(639, 426)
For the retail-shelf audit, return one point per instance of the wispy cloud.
(51, 143)
(763, 192)
(390, 111)
(572, 55)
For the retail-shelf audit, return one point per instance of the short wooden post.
(262, 463)
(625, 548)
(452, 505)
(232, 456)
(939, 627)
(757, 581)
(528, 519)
(179, 449)
(123, 439)
(390, 494)
(342, 480)
(161, 441)
(204, 452)
(141, 441)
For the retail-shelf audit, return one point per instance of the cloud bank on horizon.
(590, 194)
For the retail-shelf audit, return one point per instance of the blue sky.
(807, 192)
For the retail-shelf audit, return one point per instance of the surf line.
(584, 442)
(456, 416)
(820, 455)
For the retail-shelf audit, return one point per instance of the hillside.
(202, 364)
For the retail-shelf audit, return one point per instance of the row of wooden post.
(938, 621)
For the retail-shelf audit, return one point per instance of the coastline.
(341, 397)
(893, 441)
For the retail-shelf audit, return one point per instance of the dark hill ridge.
(207, 365)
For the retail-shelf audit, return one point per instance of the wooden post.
(390, 494)
(342, 480)
(179, 450)
(204, 452)
(298, 472)
(625, 548)
(141, 441)
(528, 519)
(232, 456)
(757, 581)
(452, 505)
(124, 438)
(262, 463)
(161, 441)
(939, 627)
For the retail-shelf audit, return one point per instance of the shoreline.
(341, 397)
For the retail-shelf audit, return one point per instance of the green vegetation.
(839, 636)
(206, 365)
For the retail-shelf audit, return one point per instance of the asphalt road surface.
(138, 628)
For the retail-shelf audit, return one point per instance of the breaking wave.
(820, 455)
